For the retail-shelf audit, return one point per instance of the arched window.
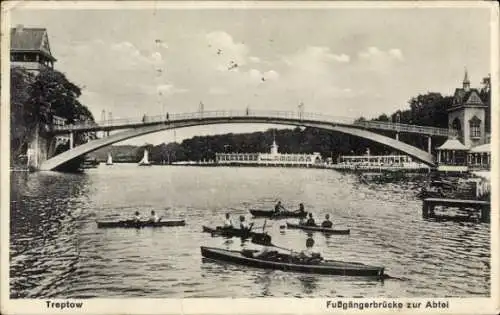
(457, 125)
(475, 127)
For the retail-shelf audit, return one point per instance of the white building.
(273, 158)
(383, 161)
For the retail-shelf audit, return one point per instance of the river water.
(56, 249)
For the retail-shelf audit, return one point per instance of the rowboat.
(317, 229)
(286, 262)
(140, 224)
(271, 214)
(229, 232)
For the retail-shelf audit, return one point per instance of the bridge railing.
(203, 115)
(381, 125)
(384, 125)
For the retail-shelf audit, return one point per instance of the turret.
(466, 82)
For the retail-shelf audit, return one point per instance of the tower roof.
(30, 40)
(466, 77)
(469, 97)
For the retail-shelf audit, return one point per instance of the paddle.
(265, 240)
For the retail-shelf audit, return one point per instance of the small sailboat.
(110, 160)
(145, 160)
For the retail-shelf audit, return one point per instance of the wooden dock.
(481, 208)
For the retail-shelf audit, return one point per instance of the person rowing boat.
(279, 208)
(227, 222)
(304, 256)
(302, 212)
(244, 225)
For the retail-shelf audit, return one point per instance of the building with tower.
(30, 50)
(469, 148)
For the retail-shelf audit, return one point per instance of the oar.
(266, 241)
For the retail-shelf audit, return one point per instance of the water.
(57, 251)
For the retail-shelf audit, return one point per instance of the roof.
(481, 148)
(30, 39)
(469, 97)
(453, 144)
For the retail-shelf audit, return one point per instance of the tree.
(34, 99)
(23, 117)
(52, 88)
(382, 117)
(485, 95)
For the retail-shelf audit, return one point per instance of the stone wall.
(38, 148)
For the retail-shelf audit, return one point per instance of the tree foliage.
(35, 99)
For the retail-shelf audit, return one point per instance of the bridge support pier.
(429, 144)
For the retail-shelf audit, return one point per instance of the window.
(475, 127)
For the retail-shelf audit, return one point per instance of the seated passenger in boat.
(154, 217)
(228, 223)
(263, 253)
(327, 223)
(308, 255)
(137, 217)
(310, 221)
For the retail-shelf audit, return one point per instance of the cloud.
(225, 50)
(169, 89)
(259, 76)
(217, 91)
(271, 75)
(396, 53)
(370, 53)
(254, 59)
(315, 59)
(156, 57)
(127, 53)
(161, 44)
(373, 53)
(341, 58)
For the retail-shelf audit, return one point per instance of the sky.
(347, 62)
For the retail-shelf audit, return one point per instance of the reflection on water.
(56, 249)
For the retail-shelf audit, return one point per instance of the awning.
(453, 144)
(484, 148)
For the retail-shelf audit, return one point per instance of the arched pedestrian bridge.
(151, 124)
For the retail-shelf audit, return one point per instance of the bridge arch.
(59, 160)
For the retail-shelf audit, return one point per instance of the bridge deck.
(117, 124)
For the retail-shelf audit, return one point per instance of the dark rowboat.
(229, 232)
(317, 229)
(141, 224)
(271, 214)
(285, 263)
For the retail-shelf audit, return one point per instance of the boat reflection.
(309, 284)
(264, 280)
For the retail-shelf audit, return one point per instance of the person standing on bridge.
(167, 116)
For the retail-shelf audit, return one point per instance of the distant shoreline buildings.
(273, 158)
